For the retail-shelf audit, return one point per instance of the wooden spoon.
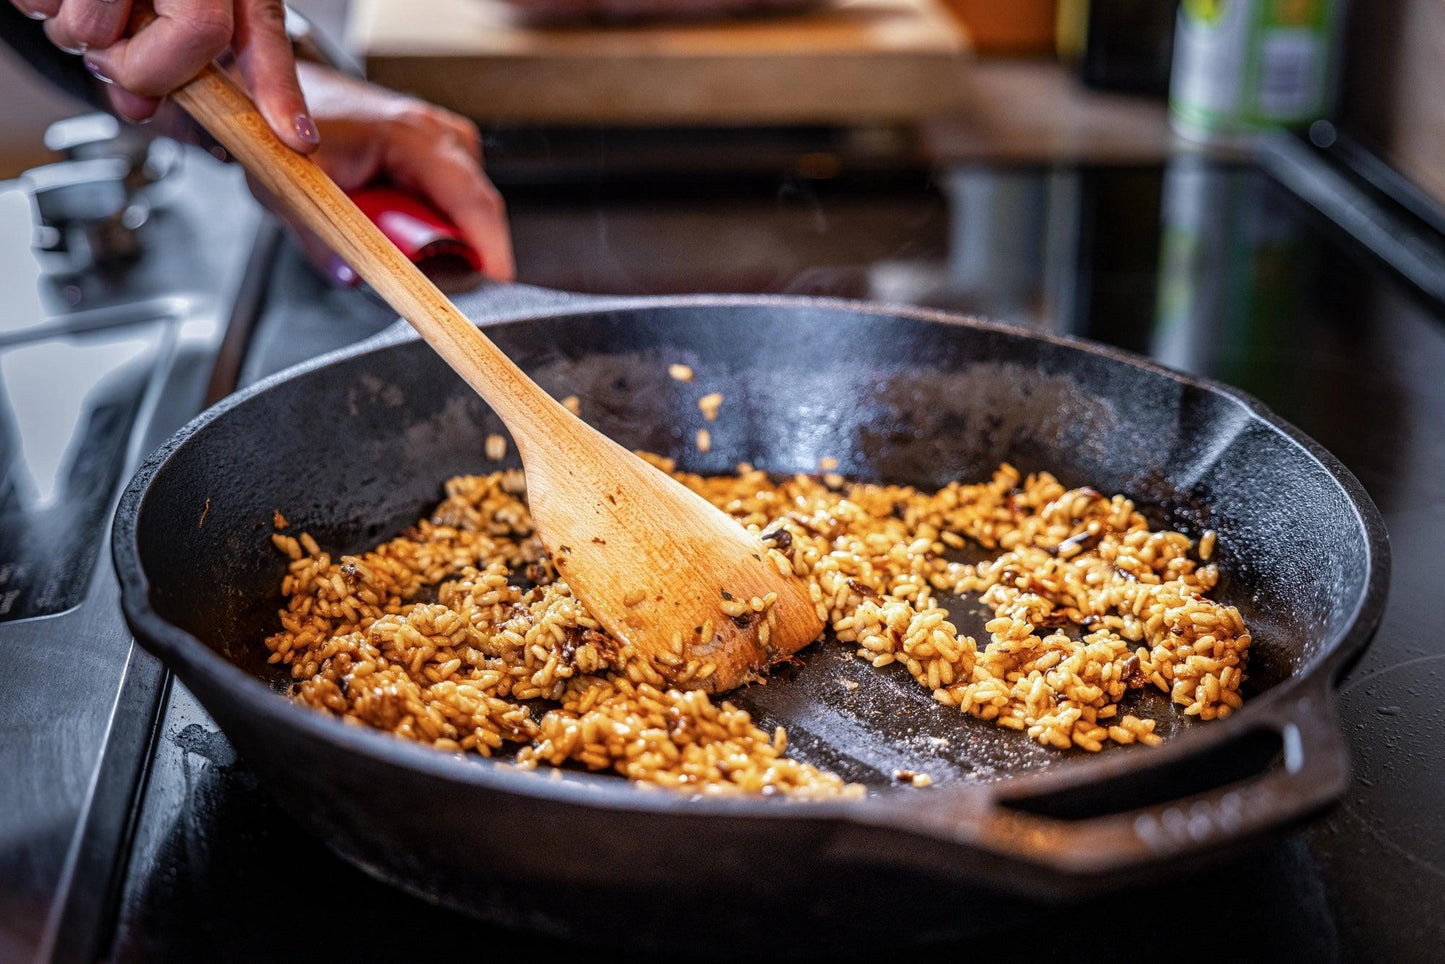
(652, 560)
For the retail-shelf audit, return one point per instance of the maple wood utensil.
(651, 559)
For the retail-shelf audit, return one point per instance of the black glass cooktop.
(1213, 268)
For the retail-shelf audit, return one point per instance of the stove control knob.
(91, 136)
(85, 210)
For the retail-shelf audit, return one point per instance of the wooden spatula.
(655, 563)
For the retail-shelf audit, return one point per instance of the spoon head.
(698, 598)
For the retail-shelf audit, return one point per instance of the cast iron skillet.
(353, 447)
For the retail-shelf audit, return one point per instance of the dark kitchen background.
(1010, 160)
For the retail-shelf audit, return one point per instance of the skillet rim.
(176, 647)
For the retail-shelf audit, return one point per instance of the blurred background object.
(852, 62)
(1120, 45)
(1246, 66)
(28, 107)
(1017, 27)
(1394, 71)
(570, 11)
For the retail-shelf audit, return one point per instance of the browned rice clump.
(461, 672)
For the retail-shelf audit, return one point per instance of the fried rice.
(458, 633)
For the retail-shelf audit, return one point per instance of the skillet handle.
(1312, 772)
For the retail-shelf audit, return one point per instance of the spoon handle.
(224, 109)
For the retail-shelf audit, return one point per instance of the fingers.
(438, 153)
(37, 9)
(82, 25)
(466, 134)
(452, 180)
(373, 133)
(170, 50)
(264, 54)
(133, 107)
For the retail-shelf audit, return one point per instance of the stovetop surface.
(1211, 268)
(97, 367)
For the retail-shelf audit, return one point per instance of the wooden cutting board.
(847, 62)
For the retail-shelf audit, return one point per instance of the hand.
(171, 49)
(369, 133)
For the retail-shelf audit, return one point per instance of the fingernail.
(95, 72)
(79, 48)
(305, 129)
(340, 271)
(37, 14)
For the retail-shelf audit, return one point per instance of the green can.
(1245, 66)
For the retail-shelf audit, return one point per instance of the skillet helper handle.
(1312, 774)
(226, 111)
